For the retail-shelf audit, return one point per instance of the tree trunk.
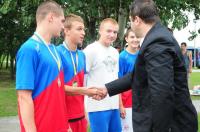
(7, 60)
(2, 57)
(91, 24)
(12, 71)
(122, 23)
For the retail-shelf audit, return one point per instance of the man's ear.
(50, 17)
(138, 20)
(126, 38)
(66, 31)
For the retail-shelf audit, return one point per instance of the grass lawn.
(8, 100)
(194, 80)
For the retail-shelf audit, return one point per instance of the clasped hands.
(97, 93)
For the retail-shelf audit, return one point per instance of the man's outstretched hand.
(99, 94)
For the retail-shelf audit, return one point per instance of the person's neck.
(146, 28)
(184, 51)
(70, 45)
(46, 36)
(131, 50)
(103, 43)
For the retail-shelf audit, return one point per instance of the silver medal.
(59, 82)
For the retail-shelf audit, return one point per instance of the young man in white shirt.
(102, 67)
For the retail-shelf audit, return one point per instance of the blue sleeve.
(121, 66)
(84, 63)
(26, 65)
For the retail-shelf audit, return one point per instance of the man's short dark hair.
(146, 10)
(184, 43)
(128, 31)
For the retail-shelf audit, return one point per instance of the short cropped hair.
(46, 8)
(128, 31)
(69, 19)
(184, 43)
(111, 20)
(146, 10)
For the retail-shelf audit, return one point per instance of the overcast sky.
(182, 35)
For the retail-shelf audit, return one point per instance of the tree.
(172, 13)
(17, 19)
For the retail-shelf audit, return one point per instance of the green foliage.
(93, 12)
(17, 17)
(173, 11)
(5, 7)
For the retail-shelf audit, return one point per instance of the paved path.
(197, 105)
(196, 70)
(11, 124)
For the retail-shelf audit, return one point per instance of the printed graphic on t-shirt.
(110, 63)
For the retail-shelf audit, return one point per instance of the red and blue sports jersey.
(74, 103)
(126, 65)
(38, 71)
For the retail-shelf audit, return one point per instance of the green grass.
(8, 99)
(194, 79)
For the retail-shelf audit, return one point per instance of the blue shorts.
(105, 121)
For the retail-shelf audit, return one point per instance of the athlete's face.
(76, 33)
(108, 33)
(132, 40)
(57, 24)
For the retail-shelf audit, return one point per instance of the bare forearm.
(120, 101)
(26, 107)
(75, 90)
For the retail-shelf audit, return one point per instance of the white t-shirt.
(102, 66)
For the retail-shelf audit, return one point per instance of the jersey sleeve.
(84, 63)
(121, 67)
(26, 65)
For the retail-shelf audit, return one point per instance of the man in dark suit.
(161, 100)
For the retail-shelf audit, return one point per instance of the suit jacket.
(161, 99)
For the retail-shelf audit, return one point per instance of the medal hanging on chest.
(75, 84)
(74, 63)
(55, 57)
(59, 82)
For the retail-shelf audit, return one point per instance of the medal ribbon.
(56, 58)
(75, 65)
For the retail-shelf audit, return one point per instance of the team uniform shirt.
(74, 103)
(102, 66)
(126, 65)
(38, 71)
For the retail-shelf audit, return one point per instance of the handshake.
(96, 93)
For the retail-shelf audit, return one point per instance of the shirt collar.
(141, 41)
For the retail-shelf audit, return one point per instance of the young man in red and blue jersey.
(127, 60)
(39, 75)
(73, 61)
